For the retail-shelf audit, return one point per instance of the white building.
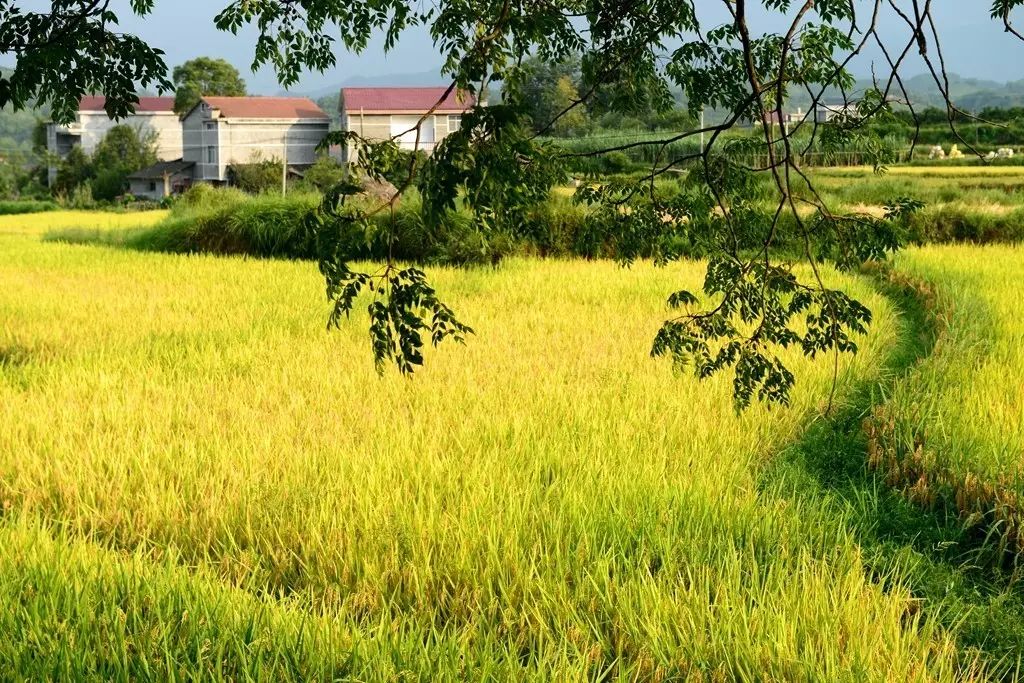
(394, 113)
(222, 131)
(826, 113)
(91, 124)
(161, 180)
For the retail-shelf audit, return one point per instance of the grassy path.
(927, 551)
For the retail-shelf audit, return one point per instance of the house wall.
(215, 143)
(150, 189)
(157, 188)
(378, 127)
(201, 139)
(90, 127)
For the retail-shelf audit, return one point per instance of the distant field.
(38, 223)
(990, 188)
(937, 169)
(197, 480)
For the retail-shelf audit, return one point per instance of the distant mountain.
(429, 77)
(969, 94)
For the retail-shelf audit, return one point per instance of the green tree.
(564, 99)
(74, 170)
(325, 174)
(258, 175)
(537, 87)
(205, 76)
(122, 151)
(741, 58)
(125, 147)
(39, 142)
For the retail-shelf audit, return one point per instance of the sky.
(974, 45)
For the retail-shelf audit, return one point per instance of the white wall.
(200, 133)
(90, 127)
(242, 141)
(95, 125)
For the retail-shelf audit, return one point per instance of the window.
(210, 125)
(454, 122)
(211, 155)
(152, 186)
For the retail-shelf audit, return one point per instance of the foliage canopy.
(203, 76)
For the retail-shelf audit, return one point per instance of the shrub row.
(225, 221)
(962, 223)
(10, 208)
(230, 222)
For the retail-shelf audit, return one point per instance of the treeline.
(991, 127)
(229, 221)
(552, 92)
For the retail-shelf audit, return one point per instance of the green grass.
(221, 222)
(991, 187)
(953, 436)
(10, 208)
(178, 436)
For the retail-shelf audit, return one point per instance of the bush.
(323, 175)
(204, 197)
(11, 208)
(109, 184)
(558, 228)
(226, 221)
(257, 177)
(616, 162)
(80, 197)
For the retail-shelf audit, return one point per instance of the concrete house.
(162, 180)
(826, 113)
(383, 113)
(221, 131)
(152, 114)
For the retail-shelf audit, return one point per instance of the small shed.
(162, 179)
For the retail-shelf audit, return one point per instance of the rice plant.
(953, 435)
(198, 482)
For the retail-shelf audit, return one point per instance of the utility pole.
(284, 167)
(702, 130)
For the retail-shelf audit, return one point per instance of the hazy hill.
(969, 94)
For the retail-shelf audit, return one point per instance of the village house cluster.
(220, 132)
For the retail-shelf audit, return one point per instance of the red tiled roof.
(266, 107)
(146, 104)
(415, 100)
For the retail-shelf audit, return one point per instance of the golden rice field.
(938, 169)
(198, 482)
(977, 189)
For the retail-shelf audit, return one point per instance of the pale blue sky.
(974, 45)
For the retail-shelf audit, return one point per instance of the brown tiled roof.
(146, 104)
(410, 100)
(266, 107)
